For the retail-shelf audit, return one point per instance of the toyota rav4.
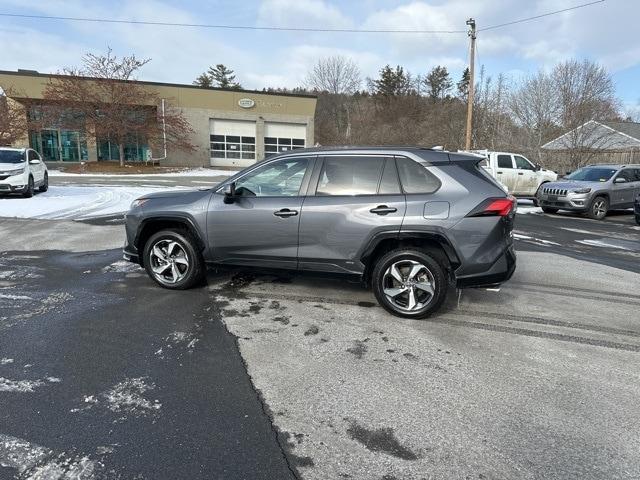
(410, 222)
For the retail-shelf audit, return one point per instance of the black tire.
(598, 208)
(187, 276)
(638, 219)
(433, 271)
(28, 193)
(550, 210)
(45, 183)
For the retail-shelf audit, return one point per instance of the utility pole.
(472, 34)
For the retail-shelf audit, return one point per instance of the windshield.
(592, 174)
(11, 156)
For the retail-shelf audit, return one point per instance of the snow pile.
(195, 172)
(73, 202)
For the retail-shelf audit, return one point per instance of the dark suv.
(409, 221)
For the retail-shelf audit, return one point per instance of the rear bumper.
(501, 271)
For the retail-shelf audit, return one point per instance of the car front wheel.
(28, 193)
(172, 260)
(409, 283)
(599, 208)
(45, 183)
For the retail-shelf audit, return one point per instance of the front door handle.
(383, 210)
(285, 212)
(520, 173)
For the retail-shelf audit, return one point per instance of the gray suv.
(594, 190)
(409, 221)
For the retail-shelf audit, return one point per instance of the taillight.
(494, 207)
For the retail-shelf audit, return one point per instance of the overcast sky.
(605, 32)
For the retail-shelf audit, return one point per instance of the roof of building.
(34, 73)
(628, 128)
(598, 135)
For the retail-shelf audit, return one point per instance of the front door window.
(278, 179)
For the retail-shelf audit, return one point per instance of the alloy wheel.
(408, 285)
(169, 261)
(599, 208)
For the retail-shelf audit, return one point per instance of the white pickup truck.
(521, 177)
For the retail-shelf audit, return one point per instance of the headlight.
(17, 171)
(138, 202)
(581, 190)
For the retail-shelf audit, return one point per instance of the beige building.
(233, 128)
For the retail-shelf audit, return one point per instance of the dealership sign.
(246, 102)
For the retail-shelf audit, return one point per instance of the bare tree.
(336, 75)
(534, 107)
(13, 119)
(101, 98)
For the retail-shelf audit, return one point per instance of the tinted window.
(389, 183)
(415, 178)
(627, 175)
(350, 176)
(522, 163)
(504, 161)
(278, 179)
(637, 174)
(592, 174)
(11, 156)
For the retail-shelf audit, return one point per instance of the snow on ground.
(70, 202)
(527, 206)
(194, 172)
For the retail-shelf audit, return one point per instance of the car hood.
(5, 167)
(568, 185)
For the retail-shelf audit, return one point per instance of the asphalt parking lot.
(272, 375)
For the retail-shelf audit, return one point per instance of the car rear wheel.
(45, 183)
(409, 283)
(28, 193)
(599, 208)
(172, 260)
(549, 210)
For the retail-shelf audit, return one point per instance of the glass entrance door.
(69, 146)
(50, 145)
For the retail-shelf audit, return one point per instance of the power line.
(230, 27)
(286, 29)
(528, 19)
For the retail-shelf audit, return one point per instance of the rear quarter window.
(415, 178)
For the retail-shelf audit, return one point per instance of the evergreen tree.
(463, 84)
(203, 80)
(223, 77)
(392, 82)
(438, 83)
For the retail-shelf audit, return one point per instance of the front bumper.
(572, 201)
(14, 184)
(501, 271)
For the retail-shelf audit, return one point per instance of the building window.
(274, 145)
(134, 150)
(55, 145)
(233, 146)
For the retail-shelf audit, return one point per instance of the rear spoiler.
(470, 157)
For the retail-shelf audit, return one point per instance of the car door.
(259, 225)
(527, 178)
(505, 173)
(622, 193)
(352, 199)
(36, 169)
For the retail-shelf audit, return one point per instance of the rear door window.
(504, 161)
(350, 175)
(415, 178)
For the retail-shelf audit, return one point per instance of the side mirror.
(538, 167)
(35, 161)
(229, 192)
(620, 180)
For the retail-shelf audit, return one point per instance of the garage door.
(233, 142)
(282, 137)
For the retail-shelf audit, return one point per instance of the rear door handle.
(285, 212)
(383, 210)
(499, 173)
(520, 173)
